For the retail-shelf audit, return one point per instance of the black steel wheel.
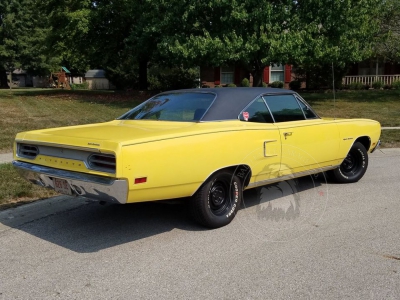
(216, 202)
(353, 166)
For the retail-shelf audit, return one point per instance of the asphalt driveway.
(302, 239)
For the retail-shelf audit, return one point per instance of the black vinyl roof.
(229, 102)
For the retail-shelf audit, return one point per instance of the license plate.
(62, 186)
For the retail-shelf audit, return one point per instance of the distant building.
(212, 76)
(97, 80)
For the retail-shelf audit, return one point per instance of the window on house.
(277, 73)
(227, 75)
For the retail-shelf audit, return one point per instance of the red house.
(212, 76)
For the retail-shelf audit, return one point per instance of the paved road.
(301, 239)
(6, 157)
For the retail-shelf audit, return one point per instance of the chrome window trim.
(299, 98)
(250, 103)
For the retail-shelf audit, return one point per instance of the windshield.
(186, 107)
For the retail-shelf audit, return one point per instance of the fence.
(370, 79)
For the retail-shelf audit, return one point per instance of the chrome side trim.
(290, 176)
(89, 186)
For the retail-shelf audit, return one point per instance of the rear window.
(185, 107)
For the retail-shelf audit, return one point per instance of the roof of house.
(65, 70)
(95, 74)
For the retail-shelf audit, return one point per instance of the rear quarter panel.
(177, 167)
(351, 130)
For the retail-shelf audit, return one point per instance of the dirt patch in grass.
(14, 190)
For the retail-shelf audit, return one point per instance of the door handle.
(286, 134)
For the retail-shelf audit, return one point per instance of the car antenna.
(334, 93)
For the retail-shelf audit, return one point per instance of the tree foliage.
(125, 37)
(388, 39)
(23, 32)
(255, 33)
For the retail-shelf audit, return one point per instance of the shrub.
(295, 85)
(245, 82)
(377, 85)
(231, 85)
(79, 86)
(387, 87)
(218, 86)
(264, 84)
(396, 85)
(277, 84)
(356, 86)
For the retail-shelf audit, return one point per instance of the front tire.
(353, 166)
(216, 202)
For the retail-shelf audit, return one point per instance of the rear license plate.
(62, 186)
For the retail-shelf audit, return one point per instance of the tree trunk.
(3, 79)
(257, 77)
(143, 83)
(11, 82)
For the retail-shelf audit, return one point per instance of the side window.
(284, 108)
(307, 110)
(256, 112)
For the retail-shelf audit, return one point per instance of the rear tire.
(216, 202)
(353, 166)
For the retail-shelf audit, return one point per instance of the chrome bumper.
(378, 144)
(85, 185)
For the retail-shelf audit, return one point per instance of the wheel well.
(243, 172)
(365, 140)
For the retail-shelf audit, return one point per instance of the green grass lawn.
(23, 110)
(29, 109)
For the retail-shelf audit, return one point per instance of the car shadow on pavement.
(92, 227)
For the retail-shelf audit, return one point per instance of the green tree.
(388, 39)
(111, 23)
(67, 39)
(255, 33)
(337, 32)
(252, 33)
(10, 27)
(23, 32)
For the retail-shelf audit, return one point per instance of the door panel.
(308, 144)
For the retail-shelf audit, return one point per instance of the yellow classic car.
(206, 144)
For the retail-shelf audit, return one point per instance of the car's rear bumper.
(85, 185)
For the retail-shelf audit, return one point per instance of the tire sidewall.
(235, 198)
(358, 150)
